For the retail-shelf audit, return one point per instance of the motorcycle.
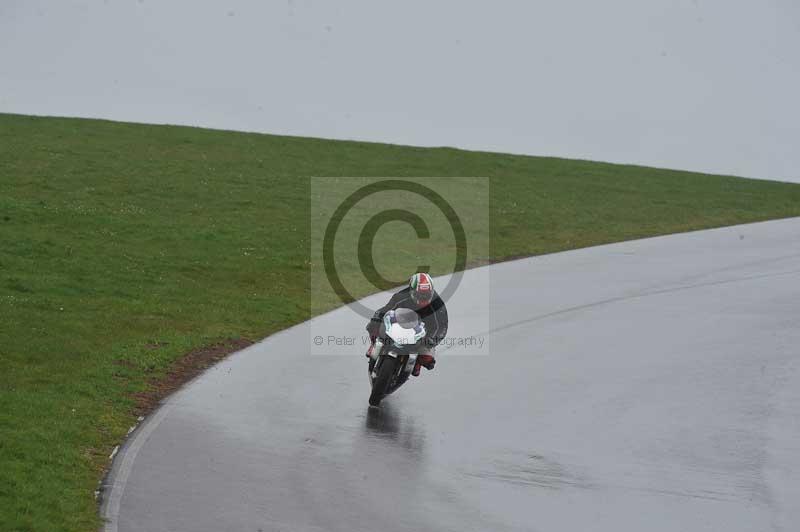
(394, 354)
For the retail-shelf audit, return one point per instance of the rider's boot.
(426, 361)
(371, 349)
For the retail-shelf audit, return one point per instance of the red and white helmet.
(421, 287)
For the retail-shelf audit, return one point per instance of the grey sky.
(706, 85)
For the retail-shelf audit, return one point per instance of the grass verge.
(123, 247)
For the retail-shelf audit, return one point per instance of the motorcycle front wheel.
(386, 371)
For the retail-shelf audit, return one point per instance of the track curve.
(648, 385)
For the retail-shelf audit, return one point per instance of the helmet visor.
(421, 297)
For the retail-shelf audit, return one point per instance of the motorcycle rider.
(420, 297)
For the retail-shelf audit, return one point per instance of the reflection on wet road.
(387, 426)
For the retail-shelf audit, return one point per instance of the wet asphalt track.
(650, 385)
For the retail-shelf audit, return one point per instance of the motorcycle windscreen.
(404, 327)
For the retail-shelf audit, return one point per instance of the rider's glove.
(373, 327)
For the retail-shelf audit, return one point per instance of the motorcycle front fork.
(374, 351)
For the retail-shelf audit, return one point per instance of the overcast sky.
(708, 85)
